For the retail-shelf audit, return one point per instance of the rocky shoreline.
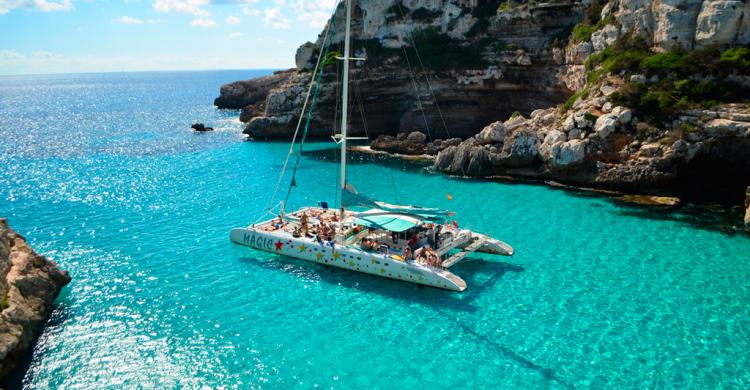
(658, 94)
(29, 284)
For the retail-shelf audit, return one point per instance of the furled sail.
(351, 198)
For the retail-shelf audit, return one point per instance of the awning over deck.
(380, 219)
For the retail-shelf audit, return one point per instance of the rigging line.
(335, 128)
(307, 127)
(416, 92)
(429, 85)
(414, 82)
(299, 122)
(360, 104)
(395, 192)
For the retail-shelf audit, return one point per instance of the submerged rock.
(650, 200)
(200, 127)
(29, 284)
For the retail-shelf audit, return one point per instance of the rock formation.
(590, 147)
(479, 67)
(29, 283)
(480, 61)
(199, 127)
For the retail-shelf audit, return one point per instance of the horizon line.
(140, 71)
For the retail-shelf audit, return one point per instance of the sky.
(70, 36)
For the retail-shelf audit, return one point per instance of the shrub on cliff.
(679, 79)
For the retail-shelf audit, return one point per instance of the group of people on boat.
(324, 230)
(420, 246)
(374, 245)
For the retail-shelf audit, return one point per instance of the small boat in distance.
(409, 243)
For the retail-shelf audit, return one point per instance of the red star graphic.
(279, 244)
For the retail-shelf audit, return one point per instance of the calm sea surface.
(101, 173)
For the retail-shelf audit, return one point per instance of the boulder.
(467, 159)
(605, 125)
(569, 123)
(582, 119)
(201, 127)
(520, 150)
(624, 115)
(416, 137)
(567, 154)
(492, 134)
(650, 150)
(607, 89)
(554, 137)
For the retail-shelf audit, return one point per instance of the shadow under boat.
(469, 270)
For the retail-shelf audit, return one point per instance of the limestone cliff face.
(487, 59)
(29, 283)
(514, 59)
(701, 154)
(480, 65)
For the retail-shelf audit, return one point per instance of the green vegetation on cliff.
(672, 81)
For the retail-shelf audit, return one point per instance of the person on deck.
(406, 252)
(413, 242)
(303, 222)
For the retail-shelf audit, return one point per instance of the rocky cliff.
(661, 107)
(635, 95)
(29, 283)
(473, 64)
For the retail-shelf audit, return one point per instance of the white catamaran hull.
(494, 246)
(385, 265)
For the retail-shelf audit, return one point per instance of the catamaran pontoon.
(409, 243)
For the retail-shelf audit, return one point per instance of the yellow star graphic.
(319, 256)
(351, 263)
(302, 248)
(336, 255)
(373, 261)
(382, 270)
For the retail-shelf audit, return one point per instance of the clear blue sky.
(61, 36)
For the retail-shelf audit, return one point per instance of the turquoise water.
(101, 174)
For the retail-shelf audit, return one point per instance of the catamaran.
(408, 243)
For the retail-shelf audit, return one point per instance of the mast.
(345, 103)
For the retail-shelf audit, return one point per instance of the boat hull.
(384, 265)
(494, 246)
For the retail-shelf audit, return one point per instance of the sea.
(102, 174)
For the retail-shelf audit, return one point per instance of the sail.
(351, 198)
